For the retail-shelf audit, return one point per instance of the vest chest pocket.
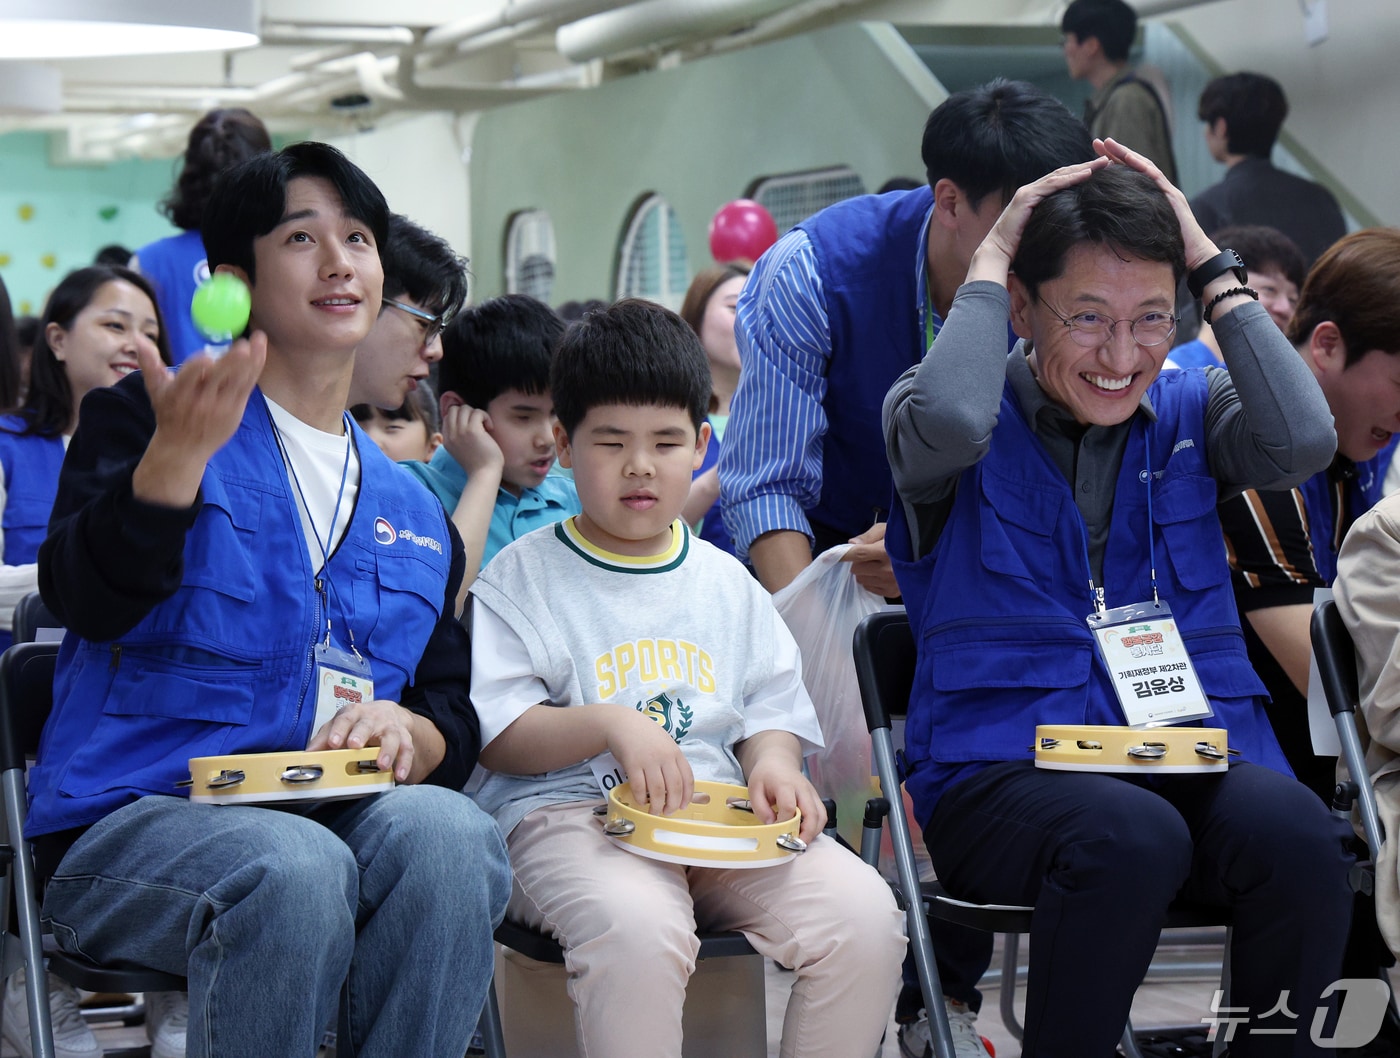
(27, 512)
(1183, 510)
(1017, 519)
(218, 548)
(398, 600)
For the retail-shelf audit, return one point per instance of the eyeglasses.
(433, 325)
(1093, 329)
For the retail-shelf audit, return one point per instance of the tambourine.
(1125, 750)
(265, 778)
(717, 829)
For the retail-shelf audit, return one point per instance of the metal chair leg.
(916, 920)
(1129, 1042)
(491, 1035)
(1010, 968)
(35, 983)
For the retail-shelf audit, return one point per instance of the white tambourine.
(266, 778)
(717, 829)
(1126, 750)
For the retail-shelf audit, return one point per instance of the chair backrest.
(1336, 659)
(33, 619)
(884, 656)
(26, 697)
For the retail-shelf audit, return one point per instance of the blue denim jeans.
(382, 907)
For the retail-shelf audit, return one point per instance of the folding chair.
(33, 620)
(885, 657)
(26, 697)
(545, 949)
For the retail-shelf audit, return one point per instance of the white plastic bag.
(822, 607)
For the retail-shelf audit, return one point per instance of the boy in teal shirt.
(492, 473)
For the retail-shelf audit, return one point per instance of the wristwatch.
(1217, 266)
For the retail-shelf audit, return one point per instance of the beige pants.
(628, 925)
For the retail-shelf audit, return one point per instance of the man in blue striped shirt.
(832, 315)
(846, 302)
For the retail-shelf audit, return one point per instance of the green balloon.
(220, 307)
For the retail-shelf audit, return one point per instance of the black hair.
(635, 353)
(249, 200)
(573, 310)
(1253, 107)
(1116, 207)
(113, 254)
(505, 343)
(420, 406)
(1000, 136)
(1264, 249)
(1111, 22)
(219, 140)
(424, 267)
(48, 406)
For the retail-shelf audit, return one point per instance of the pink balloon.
(741, 230)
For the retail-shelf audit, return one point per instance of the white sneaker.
(71, 1036)
(167, 1019)
(915, 1040)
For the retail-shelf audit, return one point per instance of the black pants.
(1101, 856)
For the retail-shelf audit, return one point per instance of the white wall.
(1344, 94)
(417, 162)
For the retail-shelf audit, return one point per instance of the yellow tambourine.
(1124, 750)
(265, 778)
(717, 829)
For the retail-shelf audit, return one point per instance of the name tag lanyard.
(341, 678)
(1142, 648)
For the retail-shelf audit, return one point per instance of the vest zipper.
(310, 656)
(116, 657)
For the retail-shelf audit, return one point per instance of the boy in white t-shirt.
(618, 632)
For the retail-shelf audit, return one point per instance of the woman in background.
(176, 265)
(96, 319)
(709, 309)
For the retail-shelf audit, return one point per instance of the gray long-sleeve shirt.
(1268, 425)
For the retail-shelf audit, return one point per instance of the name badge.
(607, 772)
(1151, 671)
(342, 679)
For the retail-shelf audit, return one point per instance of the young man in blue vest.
(226, 544)
(832, 314)
(1036, 490)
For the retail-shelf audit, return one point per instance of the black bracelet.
(1227, 294)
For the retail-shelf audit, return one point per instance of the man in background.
(1243, 113)
(1096, 37)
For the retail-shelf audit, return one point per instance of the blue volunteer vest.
(176, 266)
(1321, 505)
(31, 464)
(225, 664)
(999, 604)
(865, 250)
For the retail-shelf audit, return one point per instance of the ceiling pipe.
(456, 40)
(1152, 8)
(376, 36)
(655, 23)
(798, 18)
(512, 13)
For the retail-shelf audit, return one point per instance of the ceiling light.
(30, 88)
(75, 29)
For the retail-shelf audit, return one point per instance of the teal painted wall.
(851, 95)
(55, 218)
